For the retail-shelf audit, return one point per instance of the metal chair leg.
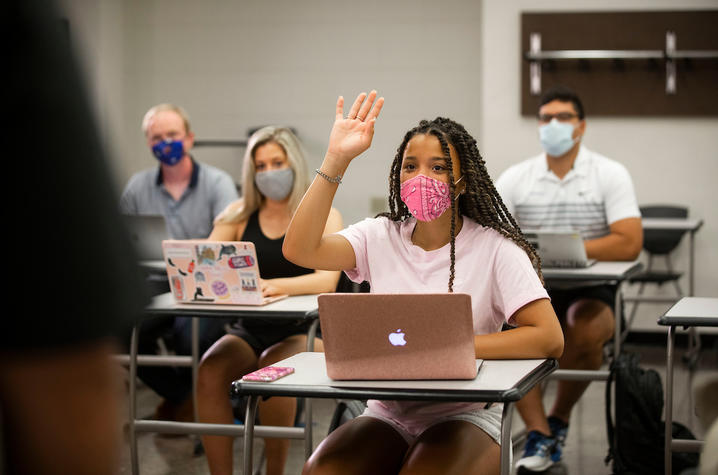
(506, 448)
(134, 457)
(669, 266)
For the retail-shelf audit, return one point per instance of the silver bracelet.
(337, 179)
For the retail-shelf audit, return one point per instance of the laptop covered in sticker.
(214, 272)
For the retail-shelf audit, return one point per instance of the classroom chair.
(658, 243)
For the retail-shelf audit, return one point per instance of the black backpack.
(639, 431)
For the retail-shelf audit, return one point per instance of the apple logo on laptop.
(397, 338)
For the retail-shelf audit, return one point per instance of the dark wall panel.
(632, 87)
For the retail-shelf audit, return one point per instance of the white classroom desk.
(606, 271)
(307, 308)
(299, 307)
(687, 312)
(504, 381)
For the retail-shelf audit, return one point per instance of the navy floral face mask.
(169, 152)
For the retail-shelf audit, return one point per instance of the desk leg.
(617, 316)
(506, 449)
(308, 419)
(312, 334)
(194, 328)
(669, 400)
(195, 365)
(247, 454)
(134, 459)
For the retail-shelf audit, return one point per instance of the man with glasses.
(570, 186)
(189, 195)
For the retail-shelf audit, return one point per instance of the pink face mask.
(426, 198)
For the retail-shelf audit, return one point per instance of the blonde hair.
(164, 107)
(251, 197)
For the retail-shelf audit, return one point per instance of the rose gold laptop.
(398, 336)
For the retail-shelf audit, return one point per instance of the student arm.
(305, 243)
(226, 231)
(623, 243)
(318, 281)
(537, 335)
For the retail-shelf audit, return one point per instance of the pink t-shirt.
(491, 268)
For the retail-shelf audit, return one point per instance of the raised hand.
(352, 135)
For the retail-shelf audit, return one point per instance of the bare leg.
(589, 325)
(227, 360)
(454, 447)
(280, 411)
(360, 446)
(532, 411)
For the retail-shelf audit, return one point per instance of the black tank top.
(272, 263)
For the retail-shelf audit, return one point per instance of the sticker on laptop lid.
(177, 253)
(220, 289)
(240, 262)
(199, 296)
(249, 281)
(227, 250)
(178, 287)
(206, 255)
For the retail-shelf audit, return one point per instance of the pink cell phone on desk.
(268, 373)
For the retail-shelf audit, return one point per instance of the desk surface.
(498, 380)
(296, 306)
(602, 270)
(692, 311)
(687, 224)
(153, 266)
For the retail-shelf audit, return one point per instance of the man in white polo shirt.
(570, 186)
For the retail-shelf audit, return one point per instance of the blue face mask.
(556, 137)
(169, 152)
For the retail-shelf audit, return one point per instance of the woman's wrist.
(333, 166)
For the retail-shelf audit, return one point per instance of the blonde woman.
(274, 180)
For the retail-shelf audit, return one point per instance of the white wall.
(235, 65)
(97, 35)
(672, 160)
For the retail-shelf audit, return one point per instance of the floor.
(584, 453)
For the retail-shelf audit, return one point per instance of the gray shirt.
(210, 190)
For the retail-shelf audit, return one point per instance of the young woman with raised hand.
(273, 181)
(447, 230)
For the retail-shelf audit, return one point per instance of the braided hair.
(480, 200)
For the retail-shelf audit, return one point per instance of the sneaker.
(559, 430)
(539, 453)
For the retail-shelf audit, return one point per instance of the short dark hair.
(563, 94)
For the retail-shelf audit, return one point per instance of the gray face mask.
(275, 184)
